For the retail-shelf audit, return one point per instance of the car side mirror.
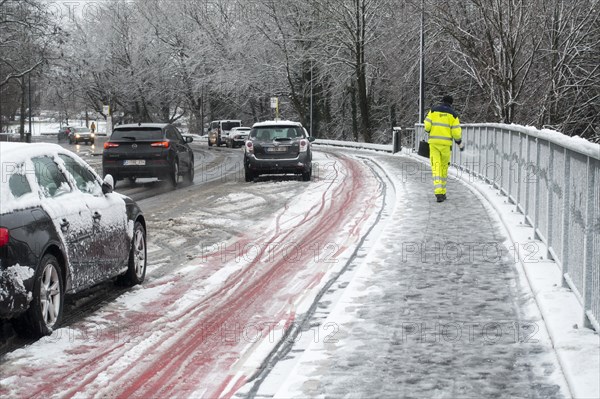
(311, 138)
(188, 139)
(108, 184)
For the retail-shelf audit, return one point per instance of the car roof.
(277, 123)
(138, 125)
(17, 152)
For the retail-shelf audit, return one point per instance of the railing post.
(526, 181)
(510, 169)
(550, 202)
(536, 187)
(588, 245)
(565, 221)
(519, 172)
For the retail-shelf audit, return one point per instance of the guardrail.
(554, 181)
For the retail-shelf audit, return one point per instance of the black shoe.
(440, 197)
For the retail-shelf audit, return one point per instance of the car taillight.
(303, 145)
(4, 236)
(249, 147)
(164, 144)
(108, 144)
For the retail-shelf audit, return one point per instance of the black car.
(62, 230)
(63, 133)
(148, 150)
(278, 147)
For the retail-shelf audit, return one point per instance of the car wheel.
(307, 175)
(209, 143)
(131, 180)
(174, 176)
(136, 267)
(188, 178)
(249, 175)
(45, 310)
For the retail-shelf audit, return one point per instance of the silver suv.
(278, 147)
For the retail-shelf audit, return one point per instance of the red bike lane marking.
(193, 356)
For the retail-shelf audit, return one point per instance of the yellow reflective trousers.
(439, 155)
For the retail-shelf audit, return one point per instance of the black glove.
(461, 145)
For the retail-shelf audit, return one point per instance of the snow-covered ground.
(40, 128)
(443, 304)
(357, 284)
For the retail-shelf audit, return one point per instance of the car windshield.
(269, 133)
(230, 125)
(82, 130)
(142, 133)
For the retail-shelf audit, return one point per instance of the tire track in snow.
(193, 353)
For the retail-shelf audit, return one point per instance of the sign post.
(106, 111)
(275, 106)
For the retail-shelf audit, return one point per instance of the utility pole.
(311, 98)
(422, 68)
(28, 138)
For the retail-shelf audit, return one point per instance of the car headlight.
(77, 136)
(92, 135)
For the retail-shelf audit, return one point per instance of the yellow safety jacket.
(443, 125)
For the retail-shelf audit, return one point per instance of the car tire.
(188, 178)
(174, 175)
(131, 180)
(209, 143)
(306, 176)
(249, 175)
(136, 266)
(46, 307)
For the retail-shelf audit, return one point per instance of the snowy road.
(355, 284)
(257, 255)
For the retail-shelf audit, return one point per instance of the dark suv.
(278, 147)
(148, 150)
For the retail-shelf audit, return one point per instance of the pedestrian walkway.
(437, 308)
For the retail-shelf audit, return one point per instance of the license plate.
(277, 149)
(136, 162)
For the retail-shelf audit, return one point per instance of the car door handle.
(64, 224)
(97, 216)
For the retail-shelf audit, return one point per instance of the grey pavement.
(442, 310)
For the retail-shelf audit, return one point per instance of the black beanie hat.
(447, 99)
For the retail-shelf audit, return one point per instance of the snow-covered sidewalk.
(439, 305)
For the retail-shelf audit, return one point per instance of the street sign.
(106, 109)
(274, 102)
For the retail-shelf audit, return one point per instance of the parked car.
(148, 150)
(219, 130)
(237, 136)
(62, 230)
(81, 135)
(63, 133)
(278, 147)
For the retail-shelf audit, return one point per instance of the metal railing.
(555, 185)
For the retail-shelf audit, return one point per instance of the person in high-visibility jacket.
(443, 126)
